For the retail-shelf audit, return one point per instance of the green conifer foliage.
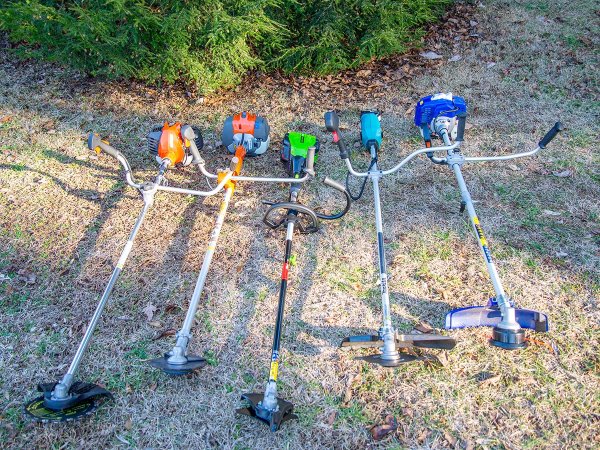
(213, 42)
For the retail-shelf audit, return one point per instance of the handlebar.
(97, 145)
(557, 128)
(208, 174)
(339, 187)
(332, 123)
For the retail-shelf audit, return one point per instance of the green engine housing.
(294, 150)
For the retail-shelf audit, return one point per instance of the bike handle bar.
(207, 174)
(551, 134)
(332, 125)
(96, 144)
(405, 161)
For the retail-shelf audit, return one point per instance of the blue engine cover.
(370, 129)
(433, 106)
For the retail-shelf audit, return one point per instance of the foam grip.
(343, 149)
(557, 128)
(334, 184)
(462, 122)
(96, 144)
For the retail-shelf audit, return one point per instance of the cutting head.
(82, 400)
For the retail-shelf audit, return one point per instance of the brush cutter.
(444, 116)
(69, 399)
(298, 153)
(246, 135)
(387, 339)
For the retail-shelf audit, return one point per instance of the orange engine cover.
(171, 143)
(244, 123)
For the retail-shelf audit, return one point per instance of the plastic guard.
(490, 316)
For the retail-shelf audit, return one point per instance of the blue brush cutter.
(443, 116)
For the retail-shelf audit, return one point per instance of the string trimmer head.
(82, 400)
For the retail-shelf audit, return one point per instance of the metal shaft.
(387, 332)
(508, 312)
(61, 390)
(179, 352)
(270, 397)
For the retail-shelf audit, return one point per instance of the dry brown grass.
(64, 217)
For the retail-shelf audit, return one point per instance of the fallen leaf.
(451, 439)
(171, 307)
(455, 58)
(164, 333)
(26, 276)
(549, 212)
(123, 440)
(352, 380)
(331, 417)
(424, 327)
(149, 310)
(561, 254)
(490, 65)
(490, 380)
(155, 324)
(5, 119)
(408, 412)
(564, 173)
(128, 424)
(82, 157)
(380, 431)
(363, 73)
(513, 167)
(430, 55)
(469, 445)
(153, 386)
(422, 436)
(443, 359)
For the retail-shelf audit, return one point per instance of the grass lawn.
(65, 215)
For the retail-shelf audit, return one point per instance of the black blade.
(36, 410)
(402, 341)
(426, 341)
(376, 359)
(193, 363)
(273, 418)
